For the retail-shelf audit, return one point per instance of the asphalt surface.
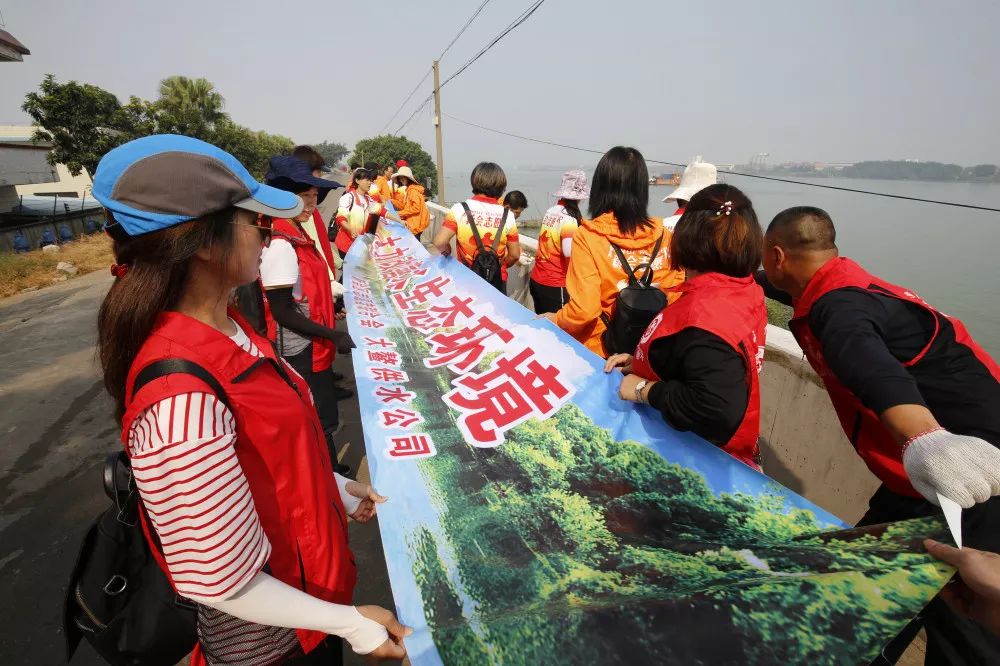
(56, 427)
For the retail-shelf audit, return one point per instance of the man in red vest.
(915, 394)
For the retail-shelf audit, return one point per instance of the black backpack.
(635, 306)
(118, 598)
(486, 262)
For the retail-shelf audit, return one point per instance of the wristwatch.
(638, 390)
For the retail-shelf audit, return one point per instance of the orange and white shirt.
(487, 213)
(353, 211)
(551, 264)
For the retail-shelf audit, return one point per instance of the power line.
(412, 93)
(734, 173)
(464, 28)
(524, 16)
(413, 115)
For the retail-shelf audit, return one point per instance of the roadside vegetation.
(778, 314)
(36, 269)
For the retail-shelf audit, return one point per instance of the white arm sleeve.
(567, 246)
(266, 600)
(351, 503)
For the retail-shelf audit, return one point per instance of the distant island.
(886, 170)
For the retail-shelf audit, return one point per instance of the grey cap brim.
(257, 206)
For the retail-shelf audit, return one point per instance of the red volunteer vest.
(733, 309)
(316, 290)
(324, 239)
(873, 442)
(280, 445)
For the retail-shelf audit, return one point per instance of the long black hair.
(621, 186)
(572, 207)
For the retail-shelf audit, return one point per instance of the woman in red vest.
(699, 360)
(296, 279)
(240, 502)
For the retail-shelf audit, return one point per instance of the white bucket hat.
(405, 172)
(574, 186)
(697, 176)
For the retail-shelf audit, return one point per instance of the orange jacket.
(595, 274)
(384, 189)
(412, 208)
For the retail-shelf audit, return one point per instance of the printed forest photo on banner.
(538, 519)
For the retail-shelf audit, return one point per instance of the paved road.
(56, 427)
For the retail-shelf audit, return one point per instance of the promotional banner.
(536, 518)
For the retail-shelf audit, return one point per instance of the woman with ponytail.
(699, 361)
(239, 500)
(555, 243)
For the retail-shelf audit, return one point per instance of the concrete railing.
(802, 443)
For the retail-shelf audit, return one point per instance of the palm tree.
(189, 106)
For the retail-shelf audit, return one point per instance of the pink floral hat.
(574, 186)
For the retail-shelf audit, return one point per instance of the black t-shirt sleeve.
(770, 290)
(704, 389)
(865, 338)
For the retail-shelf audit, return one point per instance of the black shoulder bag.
(118, 598)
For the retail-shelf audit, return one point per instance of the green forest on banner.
(563, 535)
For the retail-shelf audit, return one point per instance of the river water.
(946, 254)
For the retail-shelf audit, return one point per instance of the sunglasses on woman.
(263, 224)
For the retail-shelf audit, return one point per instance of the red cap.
(401, 163)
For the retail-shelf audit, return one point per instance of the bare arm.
(513, 254)
(906, 421)
(442, 241)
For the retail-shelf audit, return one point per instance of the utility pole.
(437, 132)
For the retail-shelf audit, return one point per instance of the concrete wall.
(29, 170)
(803, 446)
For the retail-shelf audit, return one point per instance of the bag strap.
(647, 279)
(632, 281)
(175, 366)
(472, 223)
(503, 223)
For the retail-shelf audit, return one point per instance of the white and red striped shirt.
(198, 500)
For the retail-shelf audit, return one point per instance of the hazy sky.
(834, 81)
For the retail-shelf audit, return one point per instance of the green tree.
(81, 121)
(191, 107)
(332, 151)
(386, 149)
(253, 149)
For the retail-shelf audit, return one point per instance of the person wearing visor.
(295, 277)
(241, 506)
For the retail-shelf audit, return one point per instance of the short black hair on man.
(515, 199)
(803, 229)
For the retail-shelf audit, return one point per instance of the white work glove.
(962, 468)
(336, 288)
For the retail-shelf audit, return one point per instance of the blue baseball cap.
(163, 180)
